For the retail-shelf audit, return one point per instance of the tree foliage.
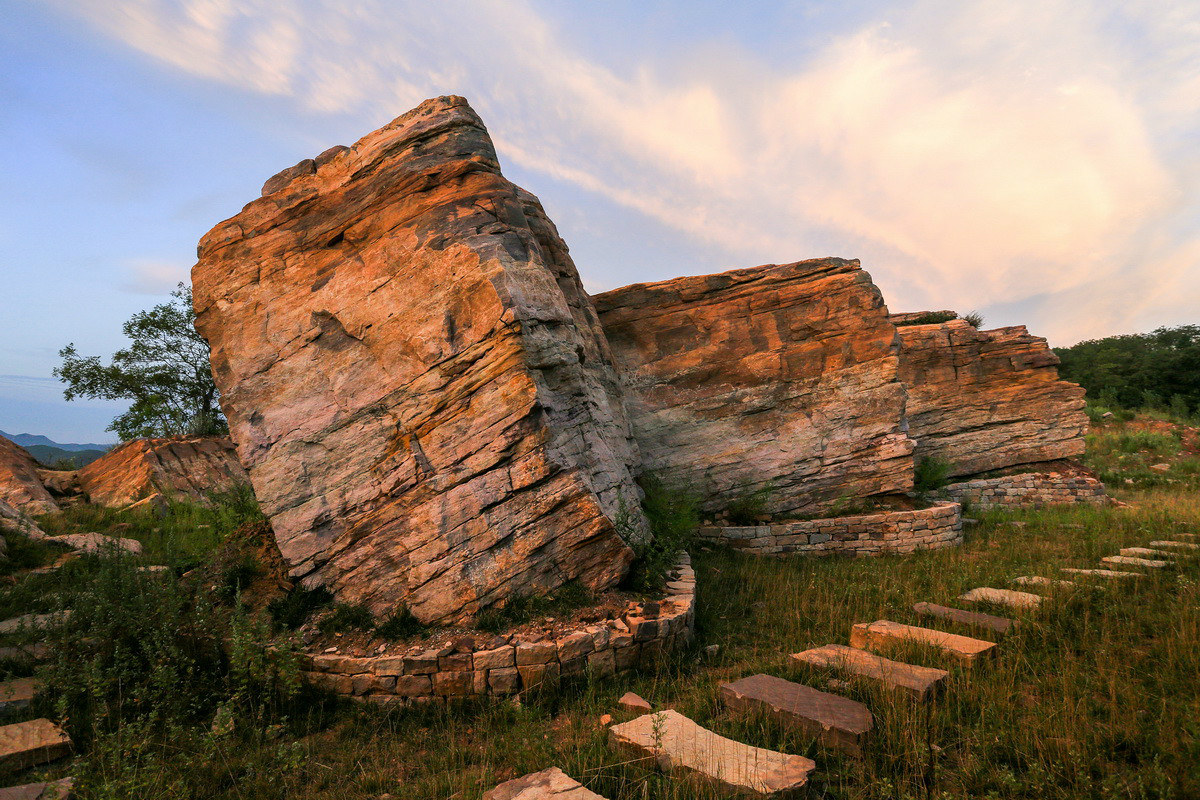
(1158, 370)
(165, 372)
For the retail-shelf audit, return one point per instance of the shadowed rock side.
(781, 378)
(185, 468)
(20, 485)
(414, 378)
(986, 400)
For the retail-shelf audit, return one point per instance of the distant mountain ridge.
(28, 440)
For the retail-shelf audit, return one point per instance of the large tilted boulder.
(415, 379)
(183, 468)
(20, 485)
(988, 400)
(778, 382)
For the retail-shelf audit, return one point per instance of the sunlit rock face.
(779, 382)
(183, 468)
(20, 485)
(415, 379)
(987, 400)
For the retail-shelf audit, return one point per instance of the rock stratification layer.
(20, 485)
(778, 381)
(414, 377)
(181, 468)
(987, 400)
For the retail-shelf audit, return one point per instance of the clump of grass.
(522, 609)
(932, 318)
(750, 508)
(931, 473)
(401, 625)
(974, 319)
(345, 618)
(674, 516)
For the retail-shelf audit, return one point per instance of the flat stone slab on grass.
(38, 741)
(975, 619)
(680, 746)
(62, 789)
(1022, 601)
(1045, 583)
(98, 543)
(1103, 573)
(549, 784)
(834, 720)
(919, 682)
(1180, 545)
(1130, 561)
(17, 694)
(34, 621)
(634, 702)
(885, 633)
(1146, 552)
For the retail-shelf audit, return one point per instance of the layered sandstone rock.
(986, 400)
(415, 378)
(20, 485)
(179, 468)
(779, 381)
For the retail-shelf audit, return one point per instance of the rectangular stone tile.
(1180, 545)
(918, 682)
(884, 633)
(1045, 583)
(1024, 601)
(1129, 561)
(549, 784)
(1146, 552)
(38, 741)
(975, 619)
(834, 720)
(1102, 573)
(62, 789)
(16, 694)
(680, 746)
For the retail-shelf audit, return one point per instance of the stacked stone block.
(505, 666)
(1029, 489)
(930, 528)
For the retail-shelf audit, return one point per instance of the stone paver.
(633, 702)
(1022, 601)
(1171, 543)
(62, 789)
(34, 621)
(1130, 561)
(38, 741)
(680, 746)
(1146, 552)
(1045, 583)
(1102, 573)
(919, 682)
(834, 720)
(17, 694)
(885, 633)
(549, 784)
(975, 619)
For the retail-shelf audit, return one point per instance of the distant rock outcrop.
(779, 381)
(181, 468)
(415, 378)
(20, 485)
(988, 400)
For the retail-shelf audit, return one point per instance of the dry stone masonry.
(415, 378)
(1029, 489)
(779, 380)
(931, 528)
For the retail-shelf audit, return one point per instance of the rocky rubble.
(779, 381)
(415, 378)
(987, 400)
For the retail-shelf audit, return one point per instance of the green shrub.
(347, 618)
(674, 516)
(932, 318)
(749, 509)
(931, 473)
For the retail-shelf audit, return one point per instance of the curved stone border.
(505, 666)
(931, 528)
(1028, 489)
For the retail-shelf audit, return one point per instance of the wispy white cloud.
(976, 154)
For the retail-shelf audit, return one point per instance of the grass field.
(1096, 695)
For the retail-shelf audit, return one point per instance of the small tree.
(165, 372)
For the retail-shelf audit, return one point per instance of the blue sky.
(1033, 160)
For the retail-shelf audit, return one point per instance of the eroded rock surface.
(414, 377)
(780, 381)
(987, 400)
(20, 485)
(185, 468)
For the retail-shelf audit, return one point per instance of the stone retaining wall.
(865, 535)
(1029, 489)
(475, 666)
